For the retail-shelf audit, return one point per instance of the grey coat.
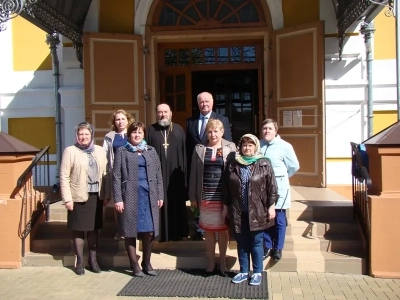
(125, 187)
(197, 169)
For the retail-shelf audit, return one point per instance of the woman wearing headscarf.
(205, 191)
(138, 196)
(250, 193)
(117, 137)
(83, 167)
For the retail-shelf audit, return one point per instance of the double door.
(235, 95)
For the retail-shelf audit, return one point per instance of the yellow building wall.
(38, 132)
(117, 18)
(30, 51)
(384, 36)
(296, 12)
(383, 119)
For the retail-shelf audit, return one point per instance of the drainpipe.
(52, 40)
(367, 29)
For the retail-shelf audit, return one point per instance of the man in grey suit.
(195, 132)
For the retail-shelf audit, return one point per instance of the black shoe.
(210, 273)
(277, 255)
(94, 267)
(198, 236)
(267, 252)
(147, 272)
(80, 269)
(223, 274)
(137, 274)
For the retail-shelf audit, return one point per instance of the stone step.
(347, 228)
(321, 211)
(301, 236)
(292, 261)
(53, 243)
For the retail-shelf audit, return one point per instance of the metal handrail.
(34, 202)
(33, 164)
(361, 183)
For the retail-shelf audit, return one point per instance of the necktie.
(203, 126)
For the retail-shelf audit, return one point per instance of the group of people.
(148, 175)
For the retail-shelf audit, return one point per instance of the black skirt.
(86, 216)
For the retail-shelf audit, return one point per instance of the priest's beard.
(164, 122)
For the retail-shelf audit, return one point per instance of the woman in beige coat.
(205, 191)
(83, 167)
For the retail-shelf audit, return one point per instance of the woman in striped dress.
(205, 191)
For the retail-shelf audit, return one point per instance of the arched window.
(203, 14)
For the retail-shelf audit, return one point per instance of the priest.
(169, 141)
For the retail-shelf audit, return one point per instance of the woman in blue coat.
(285, 164)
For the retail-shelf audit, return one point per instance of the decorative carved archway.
(207, 14)
(273, 14)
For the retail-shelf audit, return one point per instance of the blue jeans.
(274, 237)
(249, 243)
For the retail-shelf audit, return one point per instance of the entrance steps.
(321, 237)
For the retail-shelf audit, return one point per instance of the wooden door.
(113, 70)
(235, 96)
(298, 58)
(175, 90)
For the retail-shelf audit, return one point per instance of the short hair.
(128, 116)
(211, 97)
(135, 126)
(214, 123)
(266, 121)
(163, 104)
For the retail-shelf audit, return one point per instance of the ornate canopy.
(350, 11)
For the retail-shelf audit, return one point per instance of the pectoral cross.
(165, 144)
(165, 136)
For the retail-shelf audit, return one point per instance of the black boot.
(277, 255)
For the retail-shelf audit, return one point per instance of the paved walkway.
(50, 283)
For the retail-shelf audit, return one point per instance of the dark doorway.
(235, 95)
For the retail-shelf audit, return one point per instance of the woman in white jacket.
(119, 121)
(285, 164)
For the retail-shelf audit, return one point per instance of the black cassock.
(173, 218)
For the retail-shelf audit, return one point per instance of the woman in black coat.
(138, 195)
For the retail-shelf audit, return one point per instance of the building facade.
(259, 59)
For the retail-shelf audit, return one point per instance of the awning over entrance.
(350, 11)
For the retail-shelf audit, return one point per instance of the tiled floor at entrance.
(58, 283)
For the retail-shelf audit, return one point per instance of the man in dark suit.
(195, 132)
